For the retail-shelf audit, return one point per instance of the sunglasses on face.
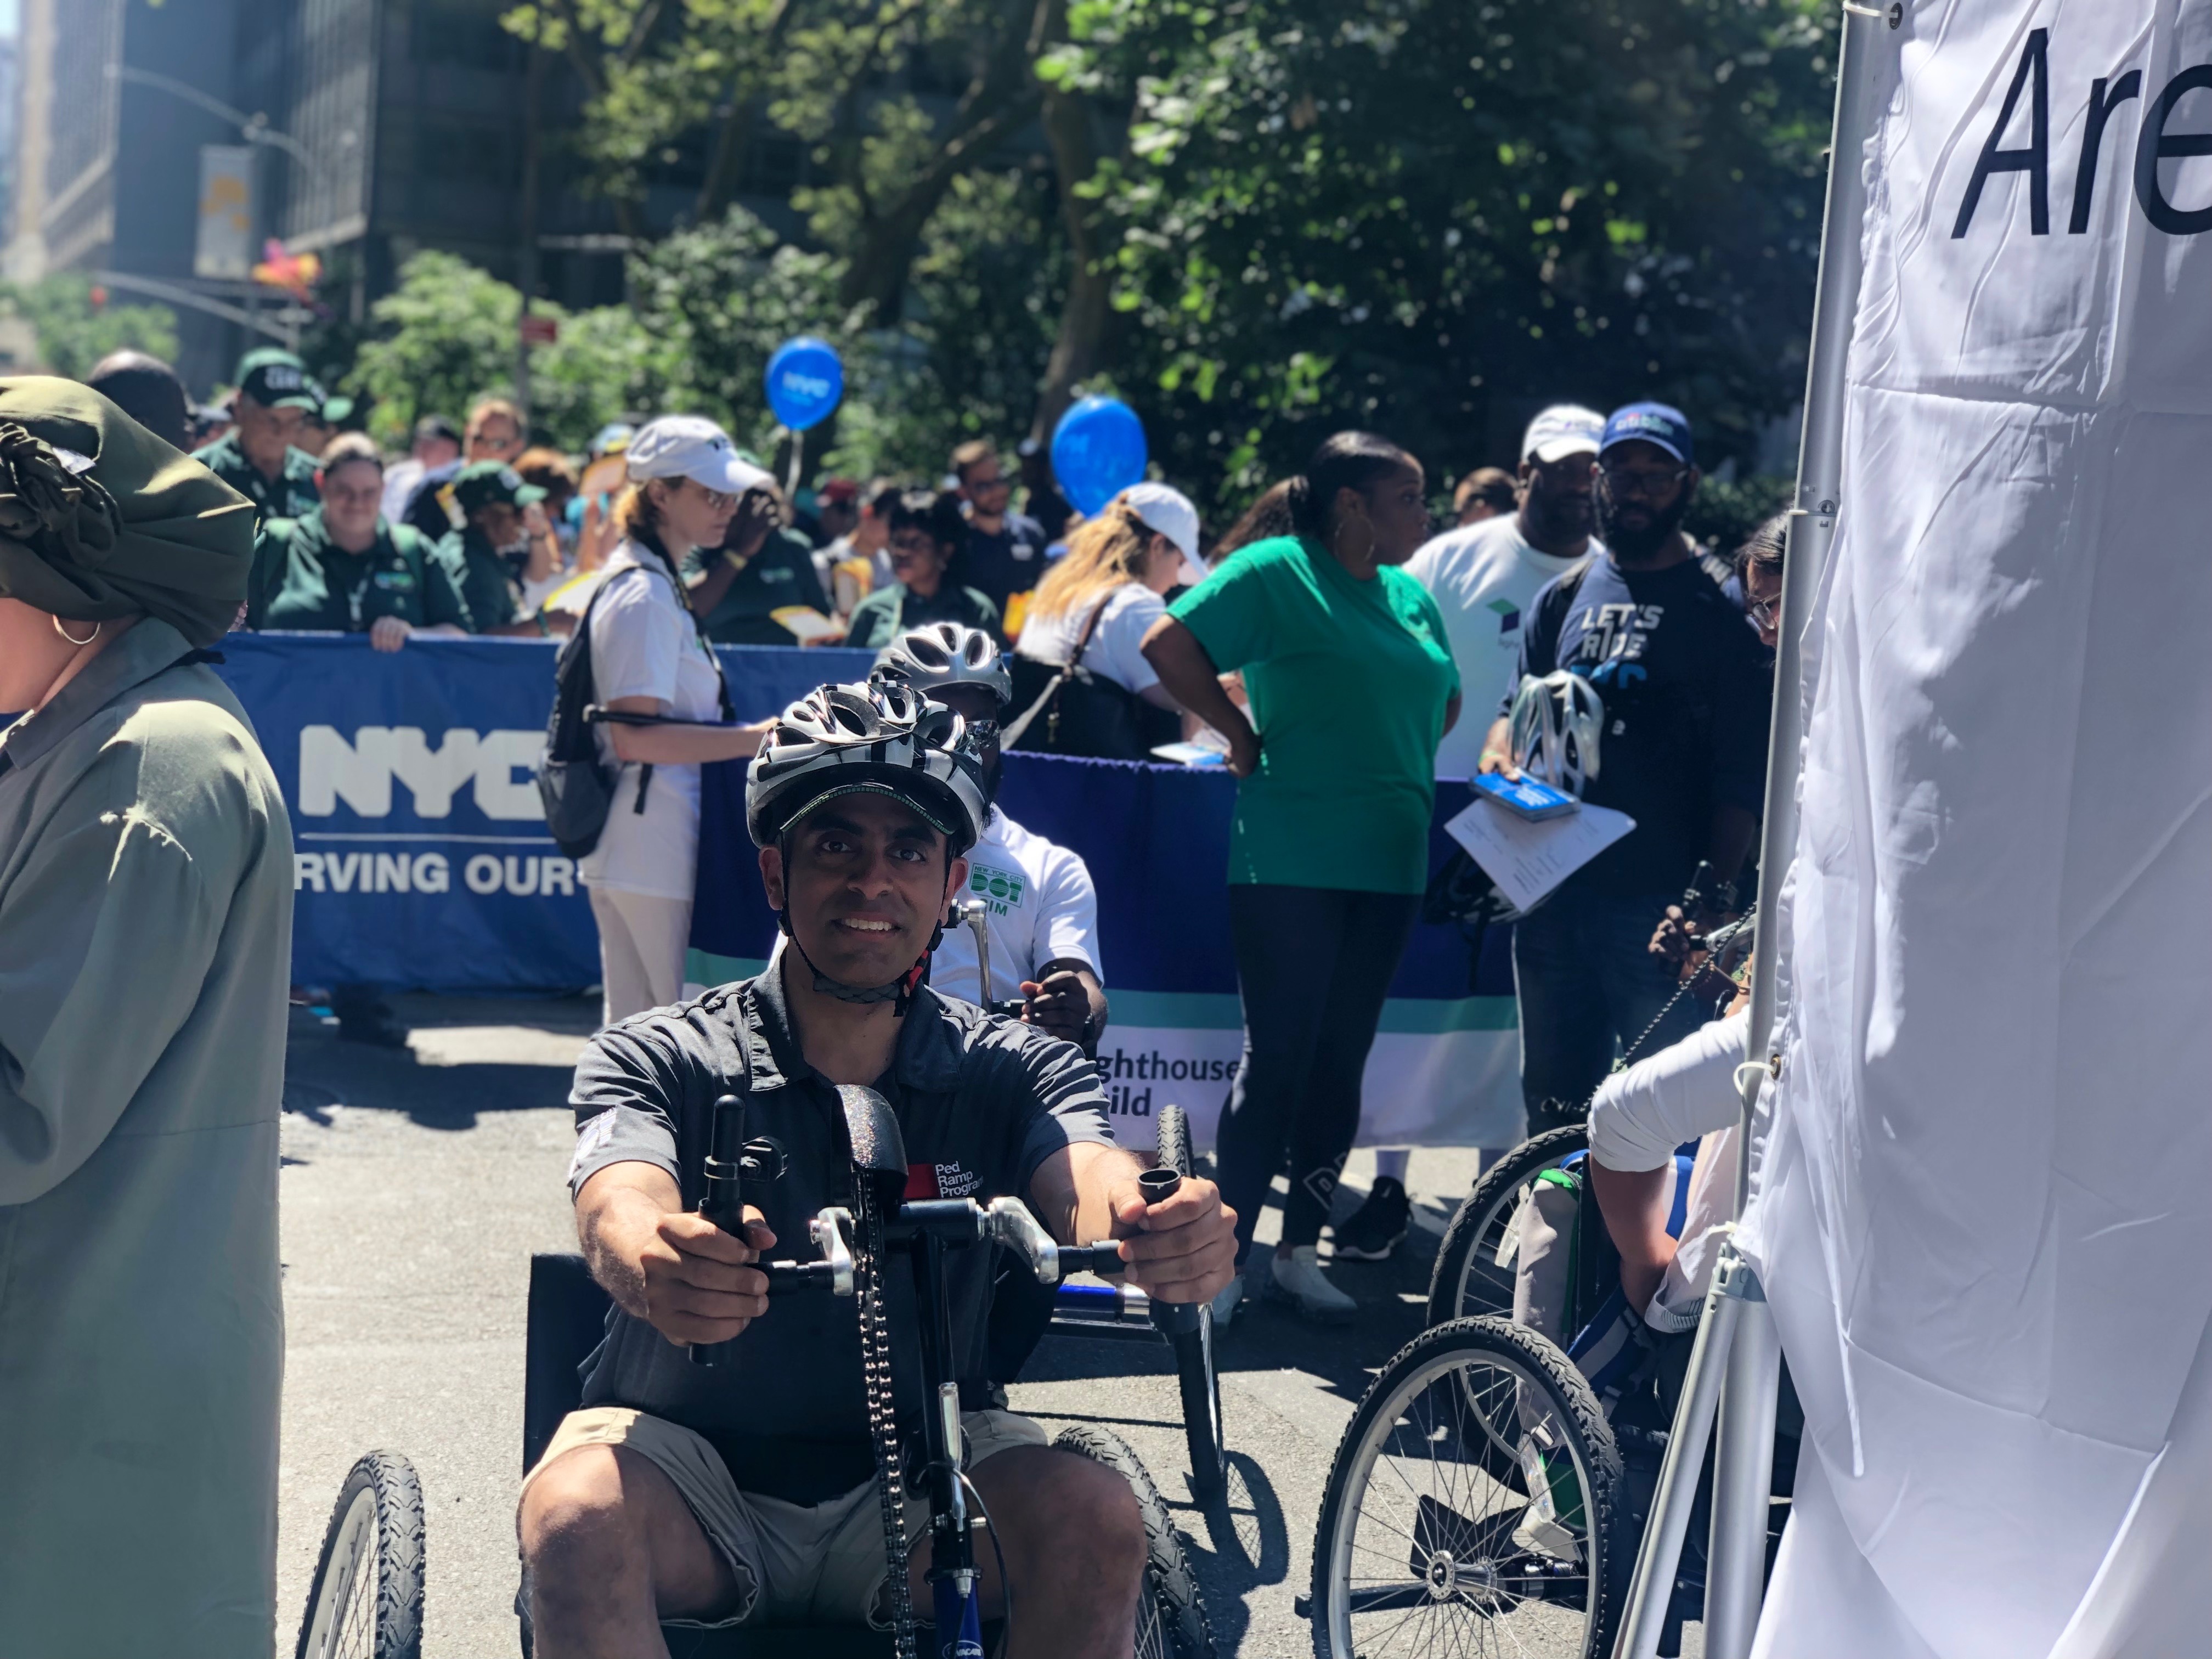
(1651, 486)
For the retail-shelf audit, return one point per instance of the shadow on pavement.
(1251, 1549)
(466, 1057)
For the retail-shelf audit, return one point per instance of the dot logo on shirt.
(1002, 887)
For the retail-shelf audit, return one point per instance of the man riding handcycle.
(751, 1491)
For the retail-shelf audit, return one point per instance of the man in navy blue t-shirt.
(1686, 689)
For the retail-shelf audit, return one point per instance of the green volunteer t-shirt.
(1348, 682)
(317, 586)
(888, 612)
(292, 495)
(485, 577)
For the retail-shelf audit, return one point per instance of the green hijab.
(100, 518)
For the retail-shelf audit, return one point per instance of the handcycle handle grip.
(833, 1274)
(1158, 1186)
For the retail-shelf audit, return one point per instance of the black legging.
(1312, 967)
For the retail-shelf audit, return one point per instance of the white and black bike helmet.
(930, 658)
(884, 738)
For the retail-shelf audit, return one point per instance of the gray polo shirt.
(981, 1102)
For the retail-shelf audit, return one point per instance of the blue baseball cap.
(1654, 423)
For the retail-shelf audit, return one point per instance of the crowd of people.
(1331, 649)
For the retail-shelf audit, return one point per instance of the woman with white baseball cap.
(1094, 606)
(649, 657)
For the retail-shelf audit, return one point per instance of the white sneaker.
(1226, 1300)
(1300, 1280)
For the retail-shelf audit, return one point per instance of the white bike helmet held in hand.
(881, 738)
(945, 654)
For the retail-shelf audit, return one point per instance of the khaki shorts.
(795, 1563)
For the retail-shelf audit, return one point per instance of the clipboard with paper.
(1555, 727)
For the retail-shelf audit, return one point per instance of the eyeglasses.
(1621, 481)
(1764, 612)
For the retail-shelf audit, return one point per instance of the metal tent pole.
(1734, 1368)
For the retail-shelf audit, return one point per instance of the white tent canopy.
(1985, 1219)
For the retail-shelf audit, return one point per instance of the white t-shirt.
(1484, 578)
(1130, 610)
(1043, 909)
(645, 644)
(399, 481)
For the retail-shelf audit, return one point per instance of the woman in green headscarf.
(145, 932)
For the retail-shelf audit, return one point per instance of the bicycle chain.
(1720, 935)
(883, 1407)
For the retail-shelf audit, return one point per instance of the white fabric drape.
(1985, 1220)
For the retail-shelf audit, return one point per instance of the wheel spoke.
(1474, 1588)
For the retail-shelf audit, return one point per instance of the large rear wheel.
(1423, 1550)
(366, 1600)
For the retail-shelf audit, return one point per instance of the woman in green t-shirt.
(1351, 685)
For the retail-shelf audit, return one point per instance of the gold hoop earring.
(72, 638)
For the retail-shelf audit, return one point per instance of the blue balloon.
(1097, 452)
(805, 381)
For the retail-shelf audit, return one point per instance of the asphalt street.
(417, 1182)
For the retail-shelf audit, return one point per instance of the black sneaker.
(1374, 1230)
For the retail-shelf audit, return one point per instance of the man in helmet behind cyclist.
(744, 1493)
(1043, 920)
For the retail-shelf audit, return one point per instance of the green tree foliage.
(893, 99)
(606, 363)
(1430, 216)
(74, 333)
(720, 299)
(446, 335)
(1258, 220)
(1726, 513)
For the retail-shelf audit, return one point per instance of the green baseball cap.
(275, 378)
(483, 483)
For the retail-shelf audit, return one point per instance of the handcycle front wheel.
(1474, 1271)
(1423, 1550)
(1170, 1612)
(366, 1599)
(1195, 1377)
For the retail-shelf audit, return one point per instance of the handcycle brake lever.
(833, 1272)
(1008, 1221)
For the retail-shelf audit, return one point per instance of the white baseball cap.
(690, 446)
(1562, 430)
(1169, 512)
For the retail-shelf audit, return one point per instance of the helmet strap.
(900, 991)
